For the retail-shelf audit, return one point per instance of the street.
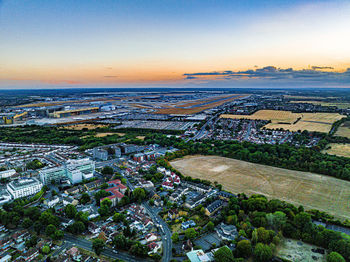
(166, 236)
(108, 252)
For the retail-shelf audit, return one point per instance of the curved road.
(166, 233)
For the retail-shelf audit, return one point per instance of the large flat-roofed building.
(24, 187)
(100, 153)
(74, 170)
(52, 174)
(85, 166)
(75, 112)
(7, 173)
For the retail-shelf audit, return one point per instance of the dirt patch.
(298, 251)
(313, 191)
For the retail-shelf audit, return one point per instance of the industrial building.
(75, 112)
(11, 118)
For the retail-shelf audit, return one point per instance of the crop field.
(322, 103)
(338, 149)
(197, 106)
(321, 122)
(344, 130)
(313, 191)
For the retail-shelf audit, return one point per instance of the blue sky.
(150, 43)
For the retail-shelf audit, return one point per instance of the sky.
(175, 43)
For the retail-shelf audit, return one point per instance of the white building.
(24, 187)
(74, 170)
(7, 173)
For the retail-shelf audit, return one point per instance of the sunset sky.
(175, 43)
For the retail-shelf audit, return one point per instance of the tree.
(335, 257)
(175, 237)
(224, 254)
(210, 226)
(45, 249)
(190, 233)
(50, 229)
(85, 198)
(98, 245)
(70, 211)
(277, 220)
(262, 253)
(27, 223)
(107, 170)
(118, 217)
(105, 208)
(139, 194)
(37, 227)
(244, 248)
(303, 221)
(138, 249)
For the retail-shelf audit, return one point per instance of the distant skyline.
(175, 43)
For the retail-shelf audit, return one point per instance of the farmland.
(344, 130)
(338, 149)
(322, 103)
(313, 191)
(321, 122)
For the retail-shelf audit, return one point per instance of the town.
(111, 182)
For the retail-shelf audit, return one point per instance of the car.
(115, 251)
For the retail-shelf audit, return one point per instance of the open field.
(313, 191)
(298, 251)
(344, 130)
(338, 105)
(81, 126)
(196, 106)
(338, 149)
(309, 97)
(321, 122)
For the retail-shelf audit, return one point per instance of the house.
(226, 232)
(73, 190)
(73, 252)
(193, 202)
(188, 224)
(225, 195)
(153, 247)
(168, 185)
(198, 187)
(198, 256)
(52, 202)
(151, 237)
(69, 201)
(173, 213)
(117, 191)
(93, 185)
(6, 258)
(118, 184)
(31, 254)
(213, 207)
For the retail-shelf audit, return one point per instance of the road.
(166, 234)
(108, 252)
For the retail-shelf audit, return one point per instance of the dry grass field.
(81, 126)
(338, 149)
(186, 109)
(313, 191)
(321, 122)
(344, 130)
